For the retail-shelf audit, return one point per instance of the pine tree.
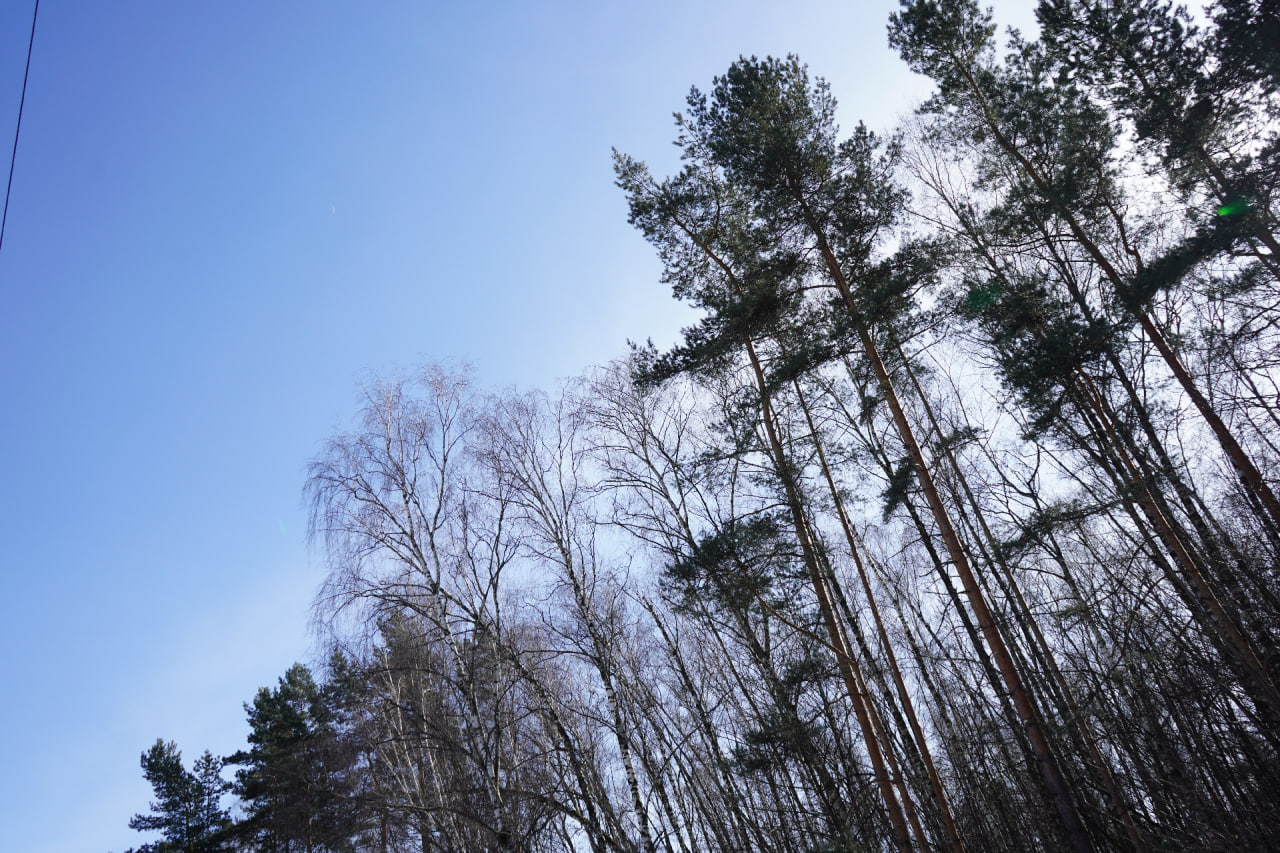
(774, 134)
(293, 779)
(188, 806)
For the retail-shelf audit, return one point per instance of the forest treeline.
(952, 524)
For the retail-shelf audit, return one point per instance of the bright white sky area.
(225, 217)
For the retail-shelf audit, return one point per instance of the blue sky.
(225, 217)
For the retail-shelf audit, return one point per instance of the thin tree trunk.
(1059, 791)
(904, 697)
(1266, 690)
(1119, 801)
(852, 678)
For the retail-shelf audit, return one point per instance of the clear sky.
(225, 216)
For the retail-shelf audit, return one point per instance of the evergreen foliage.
(949, 525)
(188, 809)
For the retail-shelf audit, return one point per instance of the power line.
(13, 158)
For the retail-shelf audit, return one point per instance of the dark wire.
(13, 158)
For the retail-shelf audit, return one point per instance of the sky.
(227, 217)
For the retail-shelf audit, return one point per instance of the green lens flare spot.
(981, 297)
(1235, 207)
